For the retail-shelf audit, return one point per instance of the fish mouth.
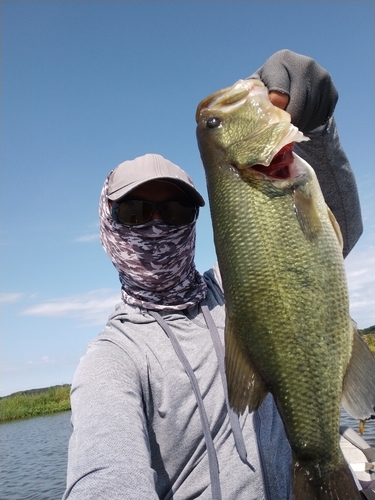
(283, 167)
(280, 166)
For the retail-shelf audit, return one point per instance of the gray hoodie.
(137, 432)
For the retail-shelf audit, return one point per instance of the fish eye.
(213, 122)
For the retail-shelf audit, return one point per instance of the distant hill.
(31, 392)
(366, 331)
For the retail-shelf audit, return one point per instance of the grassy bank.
(370, 341)
(368, 335)
(35, 403)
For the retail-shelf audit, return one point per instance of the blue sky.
(87, 85)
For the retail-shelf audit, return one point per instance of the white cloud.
(92, 234)
(360, 271)
(43, 360)
(16, 367)
(88, 238)
(91, 307)
(10, 297)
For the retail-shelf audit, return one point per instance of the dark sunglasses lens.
(178, 213)
(134, 212)
(137, 212)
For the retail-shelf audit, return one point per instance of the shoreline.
(35, 403)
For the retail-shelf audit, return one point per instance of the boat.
(361, 458)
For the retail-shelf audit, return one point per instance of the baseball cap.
(132, 173)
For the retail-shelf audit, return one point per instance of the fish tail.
(312, 481)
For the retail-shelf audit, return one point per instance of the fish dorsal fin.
(307, 214)
(359, 382)
(336, 227)
(245, 385)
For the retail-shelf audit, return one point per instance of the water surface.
(34, 455)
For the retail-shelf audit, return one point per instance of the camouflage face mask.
(155, 261)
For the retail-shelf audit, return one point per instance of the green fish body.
(288, 328)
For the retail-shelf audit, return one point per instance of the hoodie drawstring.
(212, 458)
(233, 417)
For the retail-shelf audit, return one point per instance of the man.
(149, 405)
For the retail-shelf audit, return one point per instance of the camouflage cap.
(132, 173)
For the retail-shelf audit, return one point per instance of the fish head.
(240, 127)
(246, 145)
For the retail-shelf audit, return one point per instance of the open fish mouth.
(283, 166)
(280, 167)
(286, 171)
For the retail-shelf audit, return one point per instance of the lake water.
(34, 455)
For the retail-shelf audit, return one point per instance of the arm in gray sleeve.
(312, 100)
(326, 155)
(109, 453)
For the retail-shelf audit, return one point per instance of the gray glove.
(312, 95)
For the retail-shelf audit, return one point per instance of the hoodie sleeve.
(326, 155)
(109, 451)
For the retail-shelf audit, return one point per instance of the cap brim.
(187, 188)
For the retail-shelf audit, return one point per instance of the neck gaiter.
(155, 261)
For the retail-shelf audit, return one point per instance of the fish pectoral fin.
(307, 215)
(336, 227)
(358, 396)
(245, 386)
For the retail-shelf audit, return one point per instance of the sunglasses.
(137, 212)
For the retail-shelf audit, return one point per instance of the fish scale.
(288, 329)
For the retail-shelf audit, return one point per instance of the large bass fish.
(288, 329)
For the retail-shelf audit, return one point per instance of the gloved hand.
(312, 95)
